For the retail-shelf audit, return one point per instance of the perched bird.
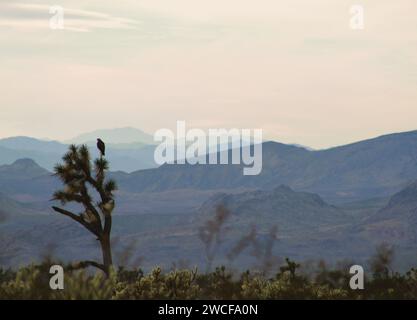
(101, 146)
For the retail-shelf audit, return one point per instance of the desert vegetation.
(290, 281)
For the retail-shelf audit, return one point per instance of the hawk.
(101, 146)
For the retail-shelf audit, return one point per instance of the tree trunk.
(106, 250)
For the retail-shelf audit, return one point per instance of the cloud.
(37, 16)
(298, 70)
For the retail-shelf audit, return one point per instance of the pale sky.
(293, 68)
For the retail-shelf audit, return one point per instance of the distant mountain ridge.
(403, 204)
(281, 205)
(127, 135)
(28, 143)
(396, 223)
(372, 168)
(22, 169)
(126, 156)
(10, 208)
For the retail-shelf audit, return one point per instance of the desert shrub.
(27, 284)
(219, 284)
(6, 275)
(177, 284)
(82, 286)
(395, 286)
(252, 286)
(32, 282)
(129, 276)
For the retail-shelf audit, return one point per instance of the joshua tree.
(80, 178)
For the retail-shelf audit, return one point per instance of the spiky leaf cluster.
(79, 176)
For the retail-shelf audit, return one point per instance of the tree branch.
(78, 219)
(86, 264)
(104, 197)
(89, 206)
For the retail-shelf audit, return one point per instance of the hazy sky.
(293, 68)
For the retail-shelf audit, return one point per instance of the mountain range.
(129, 149)
(368, 169)
(308, 228)
(292, 209)
(125, 136)
(372, 168)
(336, 203)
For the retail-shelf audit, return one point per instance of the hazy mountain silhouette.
(22, 169)
(371, 168)
(125, 156)
(32, 144)
(126, 135)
